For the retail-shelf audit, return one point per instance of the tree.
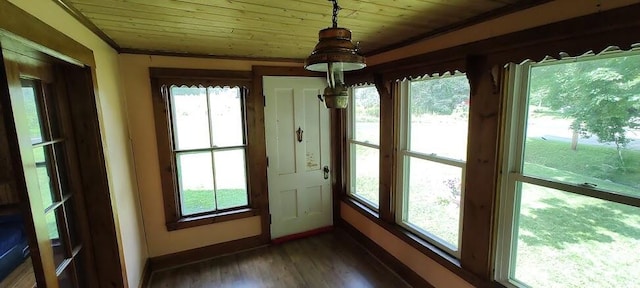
(602, 96)
(367, 104)
(439, 96)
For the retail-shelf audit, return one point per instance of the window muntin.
(364, 149)
(209, 148)
(567, 205)
(432, 155)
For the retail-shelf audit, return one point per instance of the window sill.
(451, 263)
(363, 204)
(190, 222)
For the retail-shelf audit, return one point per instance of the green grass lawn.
(44, 186)
(596, 163)
(198, 201)
(568, 240)
(365, 185)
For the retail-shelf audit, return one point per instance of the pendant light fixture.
(334, 54)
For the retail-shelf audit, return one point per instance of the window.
(431, 160)
(209, 148)
(202, 143)
(571, 189)
(364, 141)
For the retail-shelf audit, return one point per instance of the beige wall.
(547, 13)
(113, 121)
(424, 266)
(134, 70)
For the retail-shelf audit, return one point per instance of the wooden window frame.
(482, 62)
(390, 90)
(165, 77)
(516, 105)
(404, 154)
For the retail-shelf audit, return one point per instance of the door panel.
(312, 139)
(297, 132)
(286, 130)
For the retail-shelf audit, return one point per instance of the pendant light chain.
(335, 54)
(336, 9)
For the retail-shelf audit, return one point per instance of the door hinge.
(267, 161)
(270, 219)
(264, 100)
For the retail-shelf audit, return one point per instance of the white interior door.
(299, 188)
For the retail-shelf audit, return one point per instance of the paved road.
(633, 145)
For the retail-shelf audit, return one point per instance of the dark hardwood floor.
(328, 260)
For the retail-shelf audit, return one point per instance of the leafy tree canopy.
(439, 96)
(602, 96)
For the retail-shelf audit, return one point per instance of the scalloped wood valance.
(200, 77)
(575, 37)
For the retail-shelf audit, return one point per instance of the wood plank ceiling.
(274, 28)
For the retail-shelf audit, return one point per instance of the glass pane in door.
(32, 109)
(55, 189)
(44, 170)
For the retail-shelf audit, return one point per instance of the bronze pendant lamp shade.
(334, 54)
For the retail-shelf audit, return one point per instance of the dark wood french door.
(60, 245)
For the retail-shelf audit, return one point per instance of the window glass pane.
(433, 199)
(55, 224)
(190, 117)
(32, 108)
(439, 112)
(226, 116)
(584, 123)
(195, 178)
(43, 168)
(365, 173)
(366, 115)
(568, 240)
(231, 181)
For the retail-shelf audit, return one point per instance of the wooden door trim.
(33, 38)
(256, 102)
(91, 158)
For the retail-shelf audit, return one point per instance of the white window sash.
(512, 177)
(403, 177)
(351, 156)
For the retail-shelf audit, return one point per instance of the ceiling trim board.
(490, 15)
(194, 55)
(87, 23)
